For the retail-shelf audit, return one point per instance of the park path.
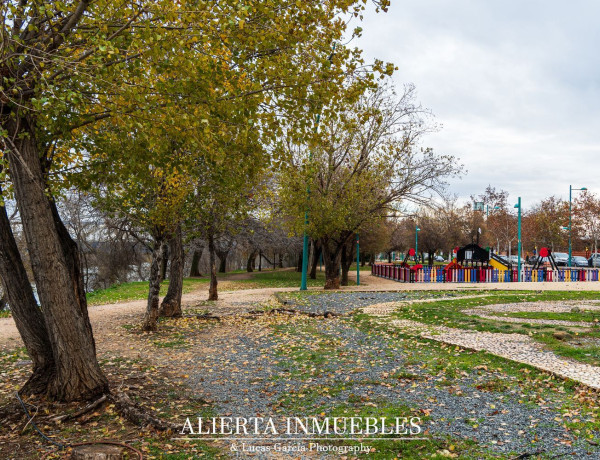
(516, 347)
(110, 317)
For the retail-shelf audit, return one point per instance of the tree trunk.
(332, 257)
(56, 268)
(212, 290)
(152, 312)
(372, 259)
(299, 262)
(171, 304)
(260, 261)
(280, 260)
(164, 262)
(251, 261)
(315, 261)
(222, 261)
(25, 311)
(346, 262)
(195, 269)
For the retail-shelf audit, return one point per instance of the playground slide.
(497, 262)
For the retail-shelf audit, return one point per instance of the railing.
(481, 275)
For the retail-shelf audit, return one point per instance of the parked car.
(579, 261)
(515, 260)
(561, 258)
(594, 260)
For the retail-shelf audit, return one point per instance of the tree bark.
(164, 262)
(332, 258)
(152, 312)
(171, 304)
(260, 256)
(251, 261)
(195, 269)
(57, 272)
(223, 261)
(280, 260)
(315, 260)
(25, 311)
(299, 262)
(346, 262)
(212, 290)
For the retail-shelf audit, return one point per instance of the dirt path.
(111, 317)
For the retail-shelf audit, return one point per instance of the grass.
(449, 313)
(136, 290)
(586, 316)
(424, 360)
(287, 278)
(4, 313)
(266, 279)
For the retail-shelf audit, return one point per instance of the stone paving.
(509, 319)
(516, 347)
(548, 307)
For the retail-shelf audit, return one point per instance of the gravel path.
(346, 302)
(266, 370)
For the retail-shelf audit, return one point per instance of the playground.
(474, 264)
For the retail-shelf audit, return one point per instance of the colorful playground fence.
(480, 275)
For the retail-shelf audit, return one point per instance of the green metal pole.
(303, 283)
(570, 199)
(357, 261)
(519, 244)
(417, 243)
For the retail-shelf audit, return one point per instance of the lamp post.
(357, 261)
(570, 227)
(518, 206)
(487, 210)
(417, 230)
(305, 242)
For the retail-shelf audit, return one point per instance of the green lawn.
(136, 290)
(448, 313)
(266, 279)
(584, 315)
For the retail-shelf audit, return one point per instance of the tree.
(544, 223)
(586, 217)
(66, 66)
(363, 162)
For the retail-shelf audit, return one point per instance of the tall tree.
(364, 161)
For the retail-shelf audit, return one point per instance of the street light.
(303, 282)
(357, 260)
(417, 230)
(518, 206)
(487, 210)
(570, 227)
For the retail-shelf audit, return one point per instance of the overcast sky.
(515, 84)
